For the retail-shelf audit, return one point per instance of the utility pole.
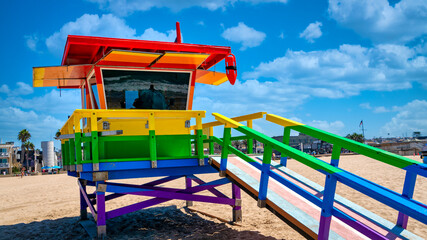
(363, 130)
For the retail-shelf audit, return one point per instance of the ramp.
(316, 212)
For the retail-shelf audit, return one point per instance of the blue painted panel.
(153, 172)
(117, 166)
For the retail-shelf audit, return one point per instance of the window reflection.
(146, 89)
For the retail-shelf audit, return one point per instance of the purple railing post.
(408, 192)
(100, 205)
(327, 206)
(237, 208)
(187, 186)
(83, 204)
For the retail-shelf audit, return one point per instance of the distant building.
(402, 148)
(6, 157)
(307, 144)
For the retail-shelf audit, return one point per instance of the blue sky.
(328, 64)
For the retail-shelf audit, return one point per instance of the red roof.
(88, 50)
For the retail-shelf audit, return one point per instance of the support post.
(152, 140)
(101, 226)
(94, 141)
(211, 144)
(237, 208)
(250, 142)
(83, 204)
(335, 158)
(188, 186)
(327, 206)
(265, 174)
(224, 153)
(286, 137)
(408, 192)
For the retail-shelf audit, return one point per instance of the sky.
(327, 64)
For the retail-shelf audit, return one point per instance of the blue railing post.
(286, 137)
(265, 173)
(408, 192)
(327, 206)
(335, 158)
(224, 152)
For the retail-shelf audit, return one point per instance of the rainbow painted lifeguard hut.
(136, 122)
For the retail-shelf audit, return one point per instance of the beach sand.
(47, 207)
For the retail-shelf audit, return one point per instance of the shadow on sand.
(153, 223)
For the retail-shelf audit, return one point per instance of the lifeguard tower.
(136, 122)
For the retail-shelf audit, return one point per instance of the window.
(146, 89)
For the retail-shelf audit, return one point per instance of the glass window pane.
(146, 89)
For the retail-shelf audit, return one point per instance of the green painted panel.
(167, 146)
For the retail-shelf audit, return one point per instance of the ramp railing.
(401, 202)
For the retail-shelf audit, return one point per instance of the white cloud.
(312, 32)
(23, 89)
(381, 22)
(381, 109)
(4, 89)
(409, 118)
(365, 105)
(32, 41)
(125, 7)
(106, 25)
(335, 127)
(151, 34)
(344, 72)
(245, 35)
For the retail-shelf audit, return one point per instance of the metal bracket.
(147, 125)
(105, 125)
(201, 162)
(79, 168)
(261, 203)
(222, 173)
(101, 187)
(95, 167)
(187, 124)
(72, 168)
(99, 176)
(153, 164)
(238, 202)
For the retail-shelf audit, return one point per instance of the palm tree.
(23, 136)
(28, 146)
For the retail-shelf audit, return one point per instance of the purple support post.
(100, 205)
(327, 206)
(408, 192)
(187, 186)
(83, 204)
(237, 208)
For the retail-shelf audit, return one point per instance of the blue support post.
(83, 204)
(408, 192)
(286, 137)
(224, 153)
(327, 206)
(335, 158)
(265, 173)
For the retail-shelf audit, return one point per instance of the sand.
(47, 207)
